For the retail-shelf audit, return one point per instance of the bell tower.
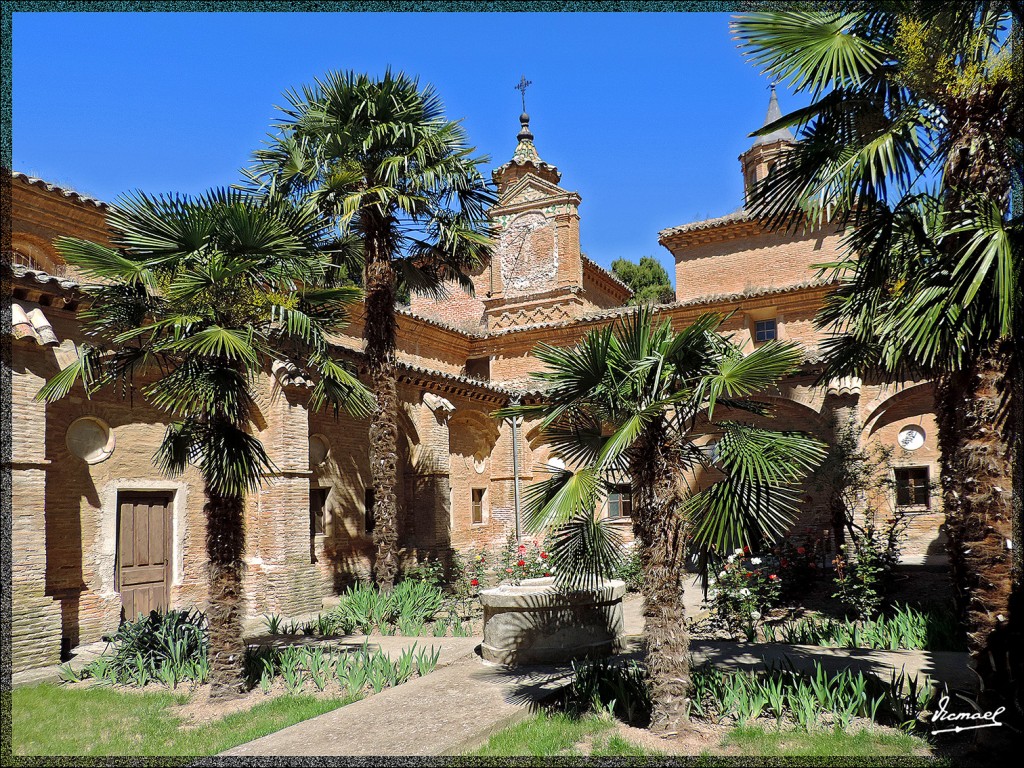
(536, 271)
(758, 161)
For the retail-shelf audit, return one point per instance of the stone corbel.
(441, 407)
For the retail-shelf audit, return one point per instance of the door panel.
(143, 552)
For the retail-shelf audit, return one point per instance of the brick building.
(97, 530)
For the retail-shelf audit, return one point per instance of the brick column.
(35, 617)
(570, 264)
(840, 413)
(429, 475)
(282, 578)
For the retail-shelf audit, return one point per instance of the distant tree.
(648, 279)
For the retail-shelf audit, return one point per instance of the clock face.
(911, 438)
(529, 253)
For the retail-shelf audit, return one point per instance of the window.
(478, 506)
(317, 504)
(912, 487)
(764, 330)
(479, 368)
(620, 502)
(368, 501)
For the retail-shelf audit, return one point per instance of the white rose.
(745, 592)
(738, 552)
(755, 561)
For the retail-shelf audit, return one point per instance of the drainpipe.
(515, 400)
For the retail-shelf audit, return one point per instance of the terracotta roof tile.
(68, 193)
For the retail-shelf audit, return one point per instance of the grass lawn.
(754, 741)
(50, 720)
(553, 734)
(546, 734)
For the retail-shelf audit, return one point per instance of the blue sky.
(644, 114)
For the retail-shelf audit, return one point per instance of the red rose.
(772, 577)
(811, 565)
(544, 555)
(475, 582)
(522, 547)
(749, 574)
(521, 563)
(547, 574)
(784, 563)
(746, 550)
(801, 551)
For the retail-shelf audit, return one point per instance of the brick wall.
(741, 257)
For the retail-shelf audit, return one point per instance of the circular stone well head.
(536, 623)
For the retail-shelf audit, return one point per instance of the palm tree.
(197, 298)
(398, 177)
(912, 142)
(628, 403)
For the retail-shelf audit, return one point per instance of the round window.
(911, 437)
(90, 439)
(319, 450)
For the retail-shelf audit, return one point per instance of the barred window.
(913, 487)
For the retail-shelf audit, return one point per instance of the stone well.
(535, 623)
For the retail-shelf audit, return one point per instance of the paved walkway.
(450, 711)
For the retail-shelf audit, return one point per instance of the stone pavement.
(451, 710)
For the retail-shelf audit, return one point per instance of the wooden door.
(143, 552)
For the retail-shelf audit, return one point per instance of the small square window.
(317, 505)
(478, 506)
(913, 487)
(368, 501)
(620, 502)
(764, 330)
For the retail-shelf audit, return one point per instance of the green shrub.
(786, 694)
(605, 686)
(742, 592)
(866, 568)
(934, 629)
(167, 647)
(409, 606)
(631, 571)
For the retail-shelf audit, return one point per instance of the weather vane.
(523, 85)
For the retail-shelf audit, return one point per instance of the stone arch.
(903, 400)
(34, 252)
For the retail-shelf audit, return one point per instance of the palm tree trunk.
(659, 533)
(380, 353)
(225, 546)
(977, 480)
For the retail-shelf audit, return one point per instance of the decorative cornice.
(64, 192)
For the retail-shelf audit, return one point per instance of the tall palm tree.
(197, 298)
(628, 404)
(912, 142)
(398, 177)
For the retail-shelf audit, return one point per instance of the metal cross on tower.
(523, 85)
